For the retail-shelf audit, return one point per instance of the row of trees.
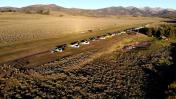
(161, 31)
(8, 10)
(44, 12)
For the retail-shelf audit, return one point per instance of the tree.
(40, 11)
(46, 12)
(144, 30)
(149, 32)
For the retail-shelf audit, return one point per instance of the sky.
(92, 4)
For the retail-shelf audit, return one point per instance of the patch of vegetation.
(161, 31)
(132, 74)
(140, 73)
(165, 70)
(44, 12)
(8, 10)
(171, 89)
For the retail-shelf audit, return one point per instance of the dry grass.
(114, 75)
(23, 27)
(26, 34)
(109, 47)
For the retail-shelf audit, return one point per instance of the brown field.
(26, 34)
(26, 27)
(103, 69)
(115, 74)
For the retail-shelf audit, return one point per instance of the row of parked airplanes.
(77, 44)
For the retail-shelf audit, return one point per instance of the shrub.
(161, 31)
(44, 12)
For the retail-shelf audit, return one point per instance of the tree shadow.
(171, 21)
(158, 79)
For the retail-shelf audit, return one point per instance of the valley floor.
(110, 73)
(22, 35)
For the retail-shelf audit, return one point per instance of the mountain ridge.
(114, 10)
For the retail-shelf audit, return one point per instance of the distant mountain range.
(146, 11)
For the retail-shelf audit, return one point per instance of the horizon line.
(87, 8)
